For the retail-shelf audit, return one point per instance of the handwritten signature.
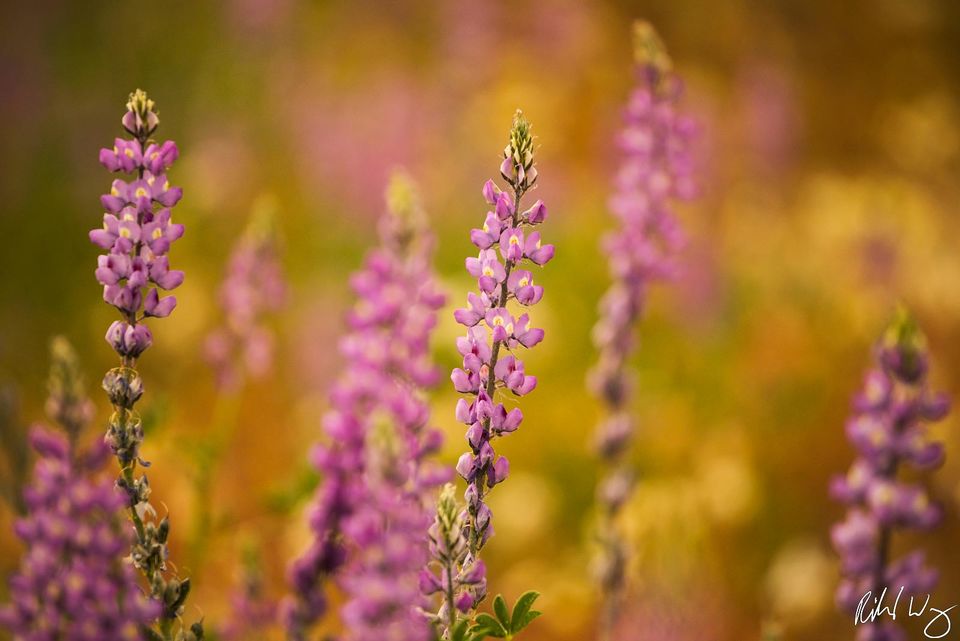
(939, 621)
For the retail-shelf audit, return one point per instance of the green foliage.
(506, 624)
(461, 631)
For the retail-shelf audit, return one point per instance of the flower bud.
(123, 386)
(129, 340)
(140, 120)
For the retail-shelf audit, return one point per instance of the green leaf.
(459, 631)
(520, 610)
(475, 634)
(527, 618)
(486, 624)
(500, 607)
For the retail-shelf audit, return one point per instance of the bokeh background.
(829, 157)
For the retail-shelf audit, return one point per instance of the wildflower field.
(449, 320)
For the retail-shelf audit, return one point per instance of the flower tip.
(649, 50)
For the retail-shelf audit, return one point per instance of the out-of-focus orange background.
(830, 164)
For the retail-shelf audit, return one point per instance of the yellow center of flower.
(884, 495)
(124, 232)
(154, 155)
(488, 271)
(114, 191)
(115, 150)
(857, 477)
(83, 537)
(157, 233)
(141, 192)
(524, 282)
(486, 228)
(57, 529)
(166, 185)
(128, 152)
(74, 582)
(877, 438)
(514, 240)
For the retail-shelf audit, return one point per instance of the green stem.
(209, 454)
(451, 606)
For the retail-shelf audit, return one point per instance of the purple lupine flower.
(73, 583)
(386, 533)
(137, 233)
(370, 510)
(888, 430)
(655, 171)
(253, 287)
(506, 240)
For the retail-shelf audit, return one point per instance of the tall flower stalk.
(888, 430)
(253, 289)
(238, 349)
(73, 584)
(656, 171)
(370, 509)
(508, 244)
(137, 234)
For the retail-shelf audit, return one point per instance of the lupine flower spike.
(73, 584)
(137, 234)
(888, 430)
(655, 172)
(510, 250)
(253, 288)
(369, 510)
(240, 348)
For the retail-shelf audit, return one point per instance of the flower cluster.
(138, 232)
(67, 403)
(388, 542)
(388, 363)
(655, 172)
(253, 287)
(508, 243)
(450, 573)
(73, 584)
(888, 430)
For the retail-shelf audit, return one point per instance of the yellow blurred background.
(829, 173)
